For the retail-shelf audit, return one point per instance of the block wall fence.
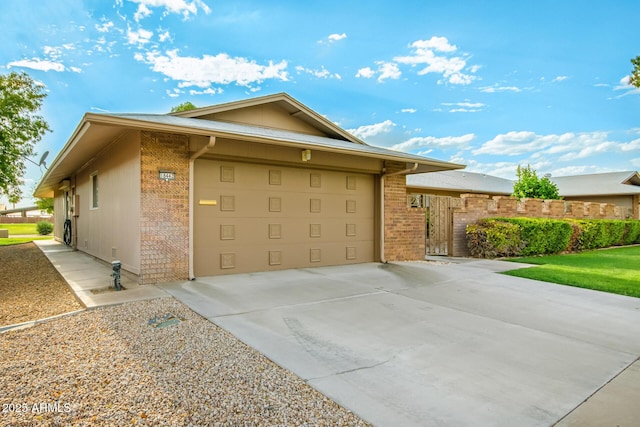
(477, 206)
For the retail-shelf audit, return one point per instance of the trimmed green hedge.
(496, 237)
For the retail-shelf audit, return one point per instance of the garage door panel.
(267, 217)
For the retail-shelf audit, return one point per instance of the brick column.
(556, 208)
(507, 206)
(609, 211)
(593, 210)
(164, 208)
(404, 231)
(532, 207)
(577, 210)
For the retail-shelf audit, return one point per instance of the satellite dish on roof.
(42, 159)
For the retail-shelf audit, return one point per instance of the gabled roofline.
(320, 121)
(251, 133)
(632, 179)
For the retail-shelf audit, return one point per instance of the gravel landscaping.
(30, 287)
(145, 363)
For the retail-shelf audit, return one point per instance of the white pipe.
(382, 177)
(192, 160)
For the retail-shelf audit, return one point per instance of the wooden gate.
(438, 221)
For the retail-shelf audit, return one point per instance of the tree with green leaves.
(528, 185)
(185, 106)
(20, 128)
(635, 73)
(45, 204)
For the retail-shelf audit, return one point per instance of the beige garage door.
(250, 217)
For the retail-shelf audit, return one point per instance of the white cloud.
(52, 52)
(218, 69)
(464, 107)
(139, 37)
(434, 54)
(496, 88)
(207, 91)
(142, 12)
(514, 143)
(104, 27)
(388, 70)
(367, 131)
(631, 146)
(432, 141)
(323, 73)
(625, 86)
(366, 73)
(163, 37)
(560, 78)
(37, 64)
(564, 147)
(336, 37)
(408, 110)
(181, 7)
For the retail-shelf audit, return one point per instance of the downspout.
(382, 177)
(192, 160)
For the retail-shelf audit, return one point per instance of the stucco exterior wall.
(164, 206)
(110, 231)
(266, 115)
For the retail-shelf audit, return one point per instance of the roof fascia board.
(76, 136)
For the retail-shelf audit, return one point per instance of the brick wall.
(164, 209)
(404, 227)
(477, 206)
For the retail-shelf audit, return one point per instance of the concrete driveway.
(429, 344)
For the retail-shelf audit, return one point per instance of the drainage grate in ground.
(164, 321)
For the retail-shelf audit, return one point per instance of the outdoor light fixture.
(306, 155)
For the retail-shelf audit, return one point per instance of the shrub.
(542, 236)
(490, 238)
(631, 232)
(493, 237)
(44, 228)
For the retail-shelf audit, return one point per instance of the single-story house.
(619, 188)
(259, 184)
(453, 183)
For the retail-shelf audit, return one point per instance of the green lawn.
(21, 230)
(18, 240)
(16, 229)
(610, 270)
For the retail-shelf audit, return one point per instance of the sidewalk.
(86, 275)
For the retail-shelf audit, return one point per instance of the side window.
(94, 190)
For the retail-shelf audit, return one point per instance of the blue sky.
(490, 84)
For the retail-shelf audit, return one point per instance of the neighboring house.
(454, 183)
(260, 184)
(619, 188)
